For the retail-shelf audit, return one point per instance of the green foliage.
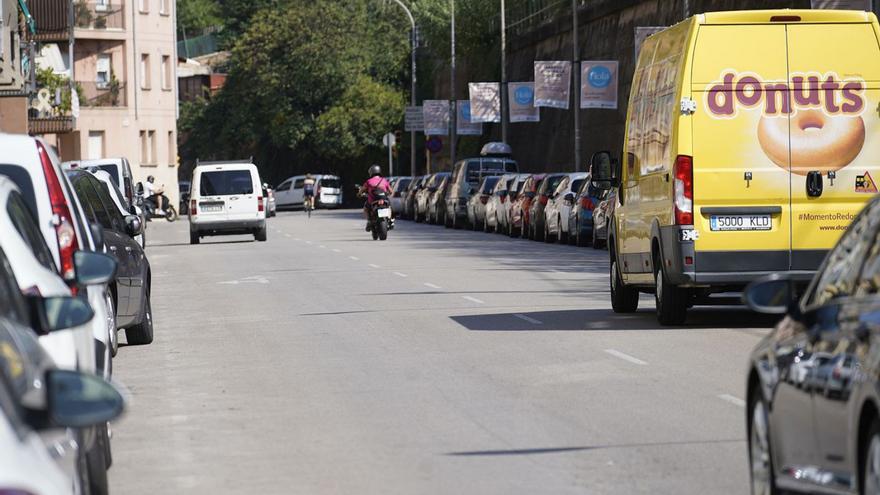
(196, 15)
(48, 79)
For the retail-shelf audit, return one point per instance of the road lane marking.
(427, 284)
(374, 266)
(337, 251)
(528, 319)
(322, 246)
(309, 242)
(286, 235)
(736, 401)
(355, 258)
(297, 239)
(626, 357)
(473, 299)
(402, 275)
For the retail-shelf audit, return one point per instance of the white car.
(502, 196)
(398, 189)
(118, 200)
(559, 206)
(328, 192)
(120, 173)
(226, 199)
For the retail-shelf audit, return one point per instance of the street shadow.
(441, 292)
(559, 450)
(586, 320)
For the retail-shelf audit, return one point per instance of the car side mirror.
(774, 295)
(133, 225)
(97, 234)
(93, 268)
(50, 314)
(79, 400)
(569, 197)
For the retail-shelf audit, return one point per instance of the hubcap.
(759, 448)
(111, 324)
(658, 287)
(613, 276)
(872, 467)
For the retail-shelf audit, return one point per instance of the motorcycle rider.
(154, 196)
(375, 182)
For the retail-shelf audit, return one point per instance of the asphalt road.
(438, 361)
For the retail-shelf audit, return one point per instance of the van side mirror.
(602, 174)
(50, 314)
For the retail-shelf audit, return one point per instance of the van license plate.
(384, 212)
(740, 222)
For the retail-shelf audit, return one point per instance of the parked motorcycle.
(147, 206)
(380, 216)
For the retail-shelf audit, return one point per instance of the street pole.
(412, 92)
(503, 73)
(390, 160)
(576, 68)
(452, 107)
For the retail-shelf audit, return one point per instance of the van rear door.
(835, 72)
(741, 196)
(243, 194)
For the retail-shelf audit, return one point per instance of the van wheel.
(194, 238)
(672, 301)
(142, 333)
(623, 299)
(262, 234)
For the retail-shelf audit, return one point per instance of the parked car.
(813, 393)
(503, 196)
(466, 177)
(269, 200)
(436, 211)
(118, 202)
(409, 197)
(476, 207)
(133, 278)
(519, 210)
(602, 219)
(580, 219)
(559, 205)
(398, 194)
(328, 193)
(120, 173)
(537, 229)
(226, 199)
(424, 194)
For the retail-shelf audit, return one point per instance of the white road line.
(402, 275)
(309, 242)
(374, 266)
(297, 239)
(473, 299)
(354, 258)
(528, 319)
(322, 246)
(736, 401)
(286, 235)
(626, 357)
(337, 251)
(428, 284)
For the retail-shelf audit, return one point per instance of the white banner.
(521, 96)
(485, 102)
(415, 119)
(466, 127)
(552, 84)
(436, 117)
(599, 84)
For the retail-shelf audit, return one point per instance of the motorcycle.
(380, 216)
(147, 206)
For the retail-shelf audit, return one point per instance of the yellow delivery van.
(752, 140)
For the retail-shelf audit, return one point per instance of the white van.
(328, 192)
(226, 199)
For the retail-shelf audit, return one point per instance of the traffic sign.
(415, 119)
(389, 140)
(434, 144)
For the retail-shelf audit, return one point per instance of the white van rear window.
(226, 183)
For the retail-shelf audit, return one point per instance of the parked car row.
(72, 274)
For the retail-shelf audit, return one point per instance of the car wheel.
(262, 234)
(623, 299)
(96, 463)
(549, 239)
(142, 333)
(760, 461)
(194, 237)
(672, 301)
(111, 325)
(594, 238)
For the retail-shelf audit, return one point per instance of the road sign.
(434, 144)
(389, 140)
(415, 119)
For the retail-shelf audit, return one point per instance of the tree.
(196, 15)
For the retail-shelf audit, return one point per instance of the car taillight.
(587, 203)
(260, 205)
(62, 219)
(503, 198)
(543, 199)
(684, 190)
(484, 198)
(193, 207)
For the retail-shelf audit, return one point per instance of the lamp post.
(453, 118)
(412, 96)
(576, 68)
(503, 74)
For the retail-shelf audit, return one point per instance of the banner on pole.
(436, 117)
(599, 84)
(552, 84)
(466, 127)
(521, 96)
(415, 119)
(642, 34)
(485, 101)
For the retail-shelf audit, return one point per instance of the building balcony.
(49, 110)
(101, 94)
(99, 15)
(52, 20)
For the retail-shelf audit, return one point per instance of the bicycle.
(308, 205)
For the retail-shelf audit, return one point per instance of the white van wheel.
(671, 300)
(623, 299)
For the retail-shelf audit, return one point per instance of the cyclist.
(375, 182)
(309, 191)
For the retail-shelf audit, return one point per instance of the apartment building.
(123, 68)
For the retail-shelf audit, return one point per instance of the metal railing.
(98, 14)
(101, 94)
(49, 110)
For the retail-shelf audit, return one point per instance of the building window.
(145, 158)
(102, 5)
(145, 71)
(172, 152)
(151, 135)
(166, 72)
(144, 6)
(165, 7)
(102, 71)
(96, 145)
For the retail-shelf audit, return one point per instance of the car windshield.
(332, 183)
(22, 179)
(226, 183)
(478, 169)
(576, 185)
(113, 170)
(551, 183)
(403, 184)
(489, 184)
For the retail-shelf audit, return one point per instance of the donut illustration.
(818, 141)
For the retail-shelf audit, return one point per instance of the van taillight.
(260, 205)
(684, 190)
(193, 210)
(62, 219)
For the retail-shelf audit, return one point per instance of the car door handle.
(127, 249)
(113, 248)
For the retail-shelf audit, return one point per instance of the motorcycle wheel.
(375, 232)
(171, 214)
(383, 230)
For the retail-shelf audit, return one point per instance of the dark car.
(184, 187)
(436, 201)
(536, 208)
(466, 177)
(132, 286)
(581, 224)
(409, 196)
(813, 389)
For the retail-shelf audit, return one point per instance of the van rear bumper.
(228, 227)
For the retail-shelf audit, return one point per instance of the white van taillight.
(193, 207)
(684, 190)
(62, 220)
(260, 206)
